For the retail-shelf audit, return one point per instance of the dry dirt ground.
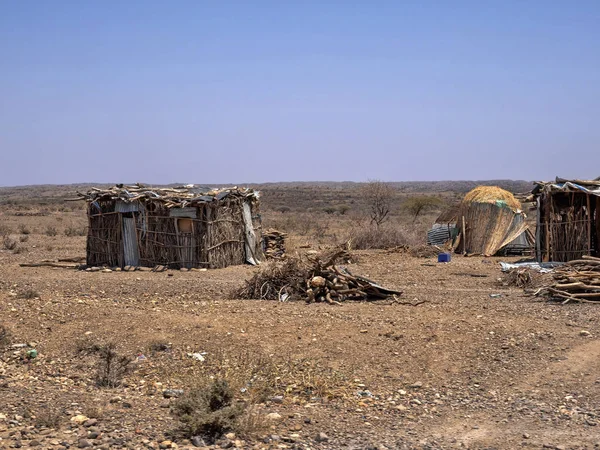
(461, 370)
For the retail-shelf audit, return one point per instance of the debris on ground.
(577, 281)
(315, 279)
(274, 243)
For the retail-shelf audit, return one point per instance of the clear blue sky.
(253, 91)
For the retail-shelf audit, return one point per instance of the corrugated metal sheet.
(123, 207)
(131, 252)
(251, 246)
(190, 213)
(440, 234)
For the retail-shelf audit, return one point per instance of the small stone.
(165, 444)
(90, 423)
(417, 385)
(277, 399)
(274, 416)
(34, 443)
(321, 437)
(584, 333)
(230, 436)
(84, 443)
(79, 419)
(526, 436)
(197, 441)
(172, 393)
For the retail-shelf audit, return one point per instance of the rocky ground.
(464, 369)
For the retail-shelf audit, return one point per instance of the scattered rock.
(274, 416)
(321, 437)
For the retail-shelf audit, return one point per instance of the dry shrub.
(24, 238)
(48, 417)
(23, 229)
(28, 294)
(5, 230)
(75, 231)
(9, 243)
(227, 388)
(4, 336)
(275, 278)
(112, 366)
(367, 238)
(209, 411)
(51, 231)
(159, 346)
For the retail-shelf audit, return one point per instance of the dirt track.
(460, 370)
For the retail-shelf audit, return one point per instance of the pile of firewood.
(333, 284)
(577, 281)
(314, 279)
(274, 243)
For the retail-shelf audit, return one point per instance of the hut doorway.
(131, 253)
(185, 241)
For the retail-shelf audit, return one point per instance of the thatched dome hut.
(489, 218)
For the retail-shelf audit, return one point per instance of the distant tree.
(379, 197)
(418, 204)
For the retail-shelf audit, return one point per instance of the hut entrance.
(131, 253)
(186, 242)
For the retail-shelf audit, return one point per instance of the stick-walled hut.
(173, 227)
(568, 222)
(489, 219)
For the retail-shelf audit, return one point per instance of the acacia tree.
(416, 205)
(379, 198)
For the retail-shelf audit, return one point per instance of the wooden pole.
(589, 228)
(548, 199)
(464, 233)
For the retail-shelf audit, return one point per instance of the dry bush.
(23, 229)
(75, 231)
(28, 294)
(367, 238)
(4, 336)
(9, 243)
(112, 366)
(209, 411)
(227, 387)
(48, 417)
(5, 230)
(51, 231)
(379, 196)
(24, 238)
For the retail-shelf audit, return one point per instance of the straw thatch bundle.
(493, 195)
(489, 218)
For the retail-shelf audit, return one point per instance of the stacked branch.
(577, 281)
(274, 243)
(316, 279)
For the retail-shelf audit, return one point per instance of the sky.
(230, 91)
